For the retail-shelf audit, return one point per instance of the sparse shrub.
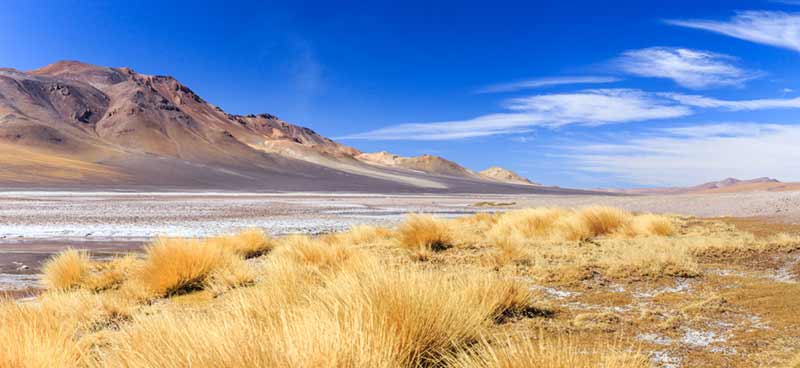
(66, 270)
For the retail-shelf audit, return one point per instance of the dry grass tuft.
(176, 266)
(380, 317)
(649, 225)
(363, 234)
(111, 274)
(315, 255)
(601, 220)
(422, 234)
(50, 333)
(554, 224)
(66, 270)
(521, 352)
(248, 244)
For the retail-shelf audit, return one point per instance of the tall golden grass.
(522, 352)
(248, 244)
(371, 317)
(350, 299)
(67, 270)
(555, 224)
(423, 234)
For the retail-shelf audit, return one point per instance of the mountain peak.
(152, 130)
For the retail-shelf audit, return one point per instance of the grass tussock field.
(542, 287)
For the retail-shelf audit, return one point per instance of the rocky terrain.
(76, 125)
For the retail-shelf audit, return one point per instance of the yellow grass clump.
(174, 266)
(248, 244)
(47, 333)
(422, 234)
(380, 317)
(362, 234)
(110, 274)
(555, 224)
(66, 270)
(317, 256)
(601, 220)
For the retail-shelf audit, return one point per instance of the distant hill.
(75, 124)
(729, 185)
(505, 175)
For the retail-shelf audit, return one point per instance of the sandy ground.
(34, 225)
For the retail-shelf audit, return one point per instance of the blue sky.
(570, 93)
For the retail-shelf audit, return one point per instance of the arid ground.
(717, 286)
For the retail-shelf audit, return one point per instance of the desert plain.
(718, 290)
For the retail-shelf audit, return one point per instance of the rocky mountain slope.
(78, 124)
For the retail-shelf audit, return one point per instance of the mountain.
(72, 124)
(506, 176)
(729, 185)
(424, 163)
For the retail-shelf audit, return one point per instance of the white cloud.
(597, 106)
(719, 129)
(735, 105)
(546, 82)
(692, 155)
(689, 68)
(772, 28)
(590, 107)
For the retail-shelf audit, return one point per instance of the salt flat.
(34, 225)
(109, 216)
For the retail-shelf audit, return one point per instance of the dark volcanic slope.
(77, 125)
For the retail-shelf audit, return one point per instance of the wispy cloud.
(597, 106)
(787, 2)
(696, 154)
(694, 69)
(546, 82)
(589, 107)
(735, 105)
(774, 28)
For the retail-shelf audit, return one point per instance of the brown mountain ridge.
(72, 124)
